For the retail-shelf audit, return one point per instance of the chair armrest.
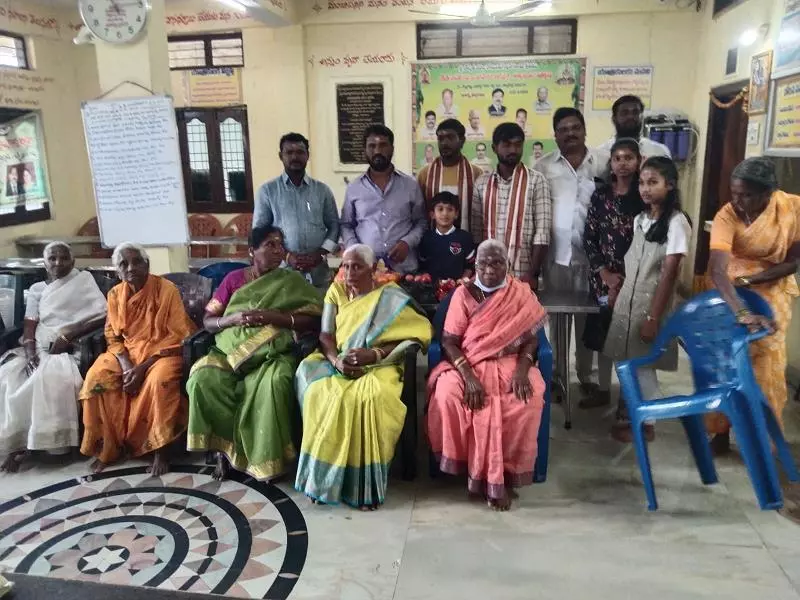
(194, 348)
(409, 435)
(757, 335)
(88, 347)
(9, 338)
(544, 355)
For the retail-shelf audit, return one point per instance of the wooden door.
(726, 141)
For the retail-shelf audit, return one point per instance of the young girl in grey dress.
(652, 265)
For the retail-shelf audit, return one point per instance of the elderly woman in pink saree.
(485, 402)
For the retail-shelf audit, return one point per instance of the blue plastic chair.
(545, 363)
(718, 348)
(216, 272)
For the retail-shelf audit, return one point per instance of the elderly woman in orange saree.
(131, 397)
(485, 403)
(755, 243)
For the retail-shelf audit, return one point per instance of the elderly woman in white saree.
(39, 382)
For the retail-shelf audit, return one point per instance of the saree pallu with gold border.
(241, 397)
(351, 426)
(756, 248)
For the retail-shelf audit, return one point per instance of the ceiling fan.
(484, 17)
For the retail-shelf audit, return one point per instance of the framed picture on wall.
(783, 118)
(760, 68)
(787, 50)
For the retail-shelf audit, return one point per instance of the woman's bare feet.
(98, 466)
(11, 463)
(369, 507)
(500, 504)
(221, 472)
(160, 464)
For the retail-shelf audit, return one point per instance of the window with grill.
(205, 51)
(215, 152)
(12, 51)
(522, 38)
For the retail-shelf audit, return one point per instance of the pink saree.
(495, 446)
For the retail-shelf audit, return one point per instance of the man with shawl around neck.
(512, 204)
(451, 171)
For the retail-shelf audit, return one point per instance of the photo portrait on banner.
(483, 94)
(22, 164)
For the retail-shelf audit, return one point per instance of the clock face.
(114, 21)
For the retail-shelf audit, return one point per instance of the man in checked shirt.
(512, 204)
(304, 209)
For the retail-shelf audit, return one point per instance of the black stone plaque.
(358, 105)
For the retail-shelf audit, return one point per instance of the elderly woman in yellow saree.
(350, 391)
(241, 395)
(131, 398)
(755, 243)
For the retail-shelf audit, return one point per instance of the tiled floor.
(585, 533)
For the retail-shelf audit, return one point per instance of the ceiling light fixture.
(752, 35)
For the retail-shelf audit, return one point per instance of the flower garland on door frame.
(742, 97)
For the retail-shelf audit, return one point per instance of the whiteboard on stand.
(136, 171)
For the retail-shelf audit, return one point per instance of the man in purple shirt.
(384, 208)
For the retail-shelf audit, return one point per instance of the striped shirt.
(537, 220)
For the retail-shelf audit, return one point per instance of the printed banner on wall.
(612, 82)
(483, 94)
(219, 86)
(22, 164)
(786, 114)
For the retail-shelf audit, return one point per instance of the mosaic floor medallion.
(182, 531)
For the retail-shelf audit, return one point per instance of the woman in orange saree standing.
(485, 402)
(131, 397)
(755, 243)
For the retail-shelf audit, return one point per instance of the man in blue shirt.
(304, 209)
(384, 208)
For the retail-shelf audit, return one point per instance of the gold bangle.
(292, 319)
(378, 354)
(529, 356)
(459, 362)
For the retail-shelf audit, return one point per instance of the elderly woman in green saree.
(350, 391)
(241, 395)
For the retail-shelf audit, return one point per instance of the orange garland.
(740, 97)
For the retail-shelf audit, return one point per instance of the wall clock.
(115, 21)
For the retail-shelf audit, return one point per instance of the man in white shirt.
(571, 171)
(626, 114)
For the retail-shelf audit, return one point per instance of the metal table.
(561, 306)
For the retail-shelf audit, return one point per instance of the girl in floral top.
(607, 237)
